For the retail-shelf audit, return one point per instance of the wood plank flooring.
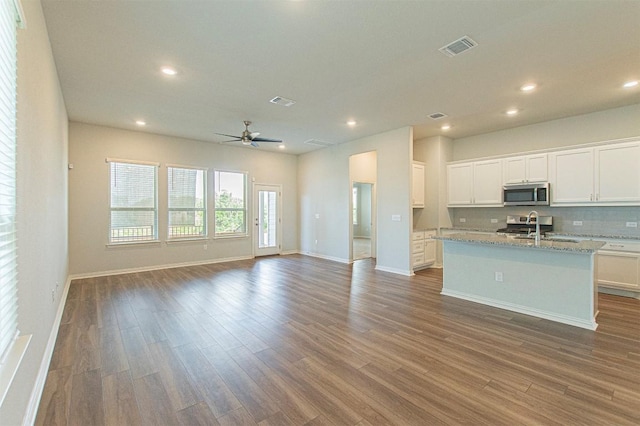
(294, 340)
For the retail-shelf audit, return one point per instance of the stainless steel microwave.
(535, 194)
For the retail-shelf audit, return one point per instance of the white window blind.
(187, 202)
(230, 205)
(134, 202)
(8, 263)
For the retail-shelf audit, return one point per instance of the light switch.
(395, 217)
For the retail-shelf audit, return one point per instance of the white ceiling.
(376, 62)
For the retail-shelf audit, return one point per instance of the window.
(11, 349)
(230, 206)
(134, 206)
(187, 203)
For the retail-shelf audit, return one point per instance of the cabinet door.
(618, 269)
(460, 184)
(418, 185)
(429, 252)
(537, 168)
(572, 176)
(618, 173)
(487, 182)
(515, 170)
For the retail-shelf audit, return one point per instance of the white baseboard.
(157, 267)
(322, 256)
(619, 292)
(288, 252)
(577, 322)
(36, 393)
(406, 273)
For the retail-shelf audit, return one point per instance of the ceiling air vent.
(279, 100)
(318, 142)
(437, 115)
(461, 45)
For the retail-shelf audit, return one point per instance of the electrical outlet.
(494, 220)
(463, 220)
(317, 215)
(205, 247)
(395, 217)
(499, 277)
(577, 223)
(632, 224)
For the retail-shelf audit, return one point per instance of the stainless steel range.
(518, 225)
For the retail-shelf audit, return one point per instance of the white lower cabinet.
(423, 249)
(619, 270)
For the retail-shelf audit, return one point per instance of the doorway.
(267, 221)
(362, 219)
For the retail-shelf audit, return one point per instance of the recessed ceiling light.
(141, 122)
(351, 123)
(281, 146)
(168, 71)
(630, 84)
(528, 87)
(512, 111)
(445, 127)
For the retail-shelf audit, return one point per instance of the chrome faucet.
(537, 234)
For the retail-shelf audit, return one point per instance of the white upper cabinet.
(475, 184)
(617, 173)
(605, 175)
(418, 185)
(525, 169)
(572, 176)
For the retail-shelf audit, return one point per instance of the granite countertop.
(586, 246)
(555, 233)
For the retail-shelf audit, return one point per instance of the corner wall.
(41, 210)
(325, 193)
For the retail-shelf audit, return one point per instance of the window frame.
(204, 209)
(155, 237)
(244, 209)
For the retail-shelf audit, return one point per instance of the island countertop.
(584, 246)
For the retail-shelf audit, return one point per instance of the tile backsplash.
(595, 220)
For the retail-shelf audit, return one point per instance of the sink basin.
(563, 240)
(552, 239)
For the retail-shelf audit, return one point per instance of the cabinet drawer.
(418, 247)
(417, 259)
(417, 235)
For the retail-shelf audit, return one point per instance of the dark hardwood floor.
(295, 340)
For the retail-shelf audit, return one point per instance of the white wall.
(42, 206)
(325, 192)
(90, 145)
(604, 125)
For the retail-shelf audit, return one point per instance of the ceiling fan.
(247, 137)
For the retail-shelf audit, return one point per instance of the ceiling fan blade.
(254, 144)
(266, 140)
(229, 136)
(254, 135)
(232, 140)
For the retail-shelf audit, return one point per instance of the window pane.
(230, 222)
(133, 185)
(230, 215)
(134, 215)
(132, 225)
(187, 203)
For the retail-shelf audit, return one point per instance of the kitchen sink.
(558, 240)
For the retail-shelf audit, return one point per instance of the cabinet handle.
(590, 197)
(597, 197)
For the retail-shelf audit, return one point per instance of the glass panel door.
(267, 220)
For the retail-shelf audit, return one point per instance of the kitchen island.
(554, 280)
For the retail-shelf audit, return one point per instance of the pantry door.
(267, 221)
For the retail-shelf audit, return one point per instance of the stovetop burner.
(518, 225)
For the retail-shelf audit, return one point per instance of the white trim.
(21, 20)
(183, 166)
(187, 240)
(406, 273)
(140, 163)
(577, 322)
(157, 267)
(289, 252)
(619, 292)
(322, 256)
(133, 243)
(41, 378)
(11, 363)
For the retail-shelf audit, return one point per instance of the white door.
(267, 222)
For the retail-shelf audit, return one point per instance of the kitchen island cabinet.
(554, 281)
